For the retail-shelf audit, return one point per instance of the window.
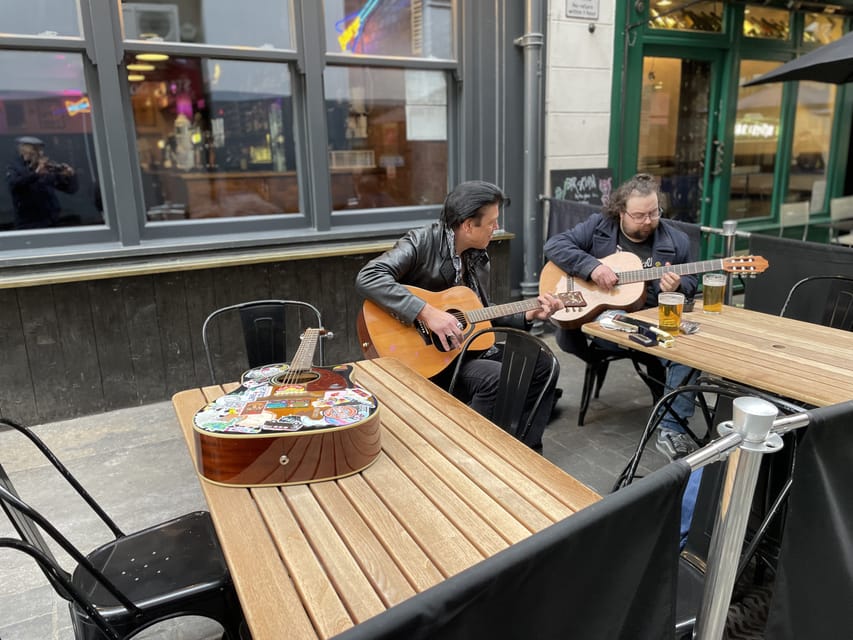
(47, 142)
(48, 18)
(214, 137)
(812, 140)
(387, 136)
(763, 22)
(263, 24)
(686, 15)
(409, 28)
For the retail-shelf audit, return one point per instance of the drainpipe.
(532, 41)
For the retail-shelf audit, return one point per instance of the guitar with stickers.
(288, 424)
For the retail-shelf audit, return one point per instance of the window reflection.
(214, 137)
(410, 28)
(686, 15)
(673, 131)
(812, 137)
(764, 22)
(821, 28)
(40, 17)
(48, 154)
(755, 143)
(262, 23)
(387, 136)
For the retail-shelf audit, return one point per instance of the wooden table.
(801, 361)
(448, 490)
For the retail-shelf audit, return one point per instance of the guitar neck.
(489, 313)
(303, 359)
(653, 273)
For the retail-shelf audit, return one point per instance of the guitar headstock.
(571, 299)
(745, 264)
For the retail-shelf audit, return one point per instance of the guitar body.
(284, 426)
(382, 335)
(623, 296)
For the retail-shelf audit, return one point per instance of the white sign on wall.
(584, 9)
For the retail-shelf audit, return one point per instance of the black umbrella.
(832, 62)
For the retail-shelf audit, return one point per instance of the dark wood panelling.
(112, 343)
(17, 394)
(109, 344)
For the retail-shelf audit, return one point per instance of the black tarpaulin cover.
(607, 572)
(813, 596)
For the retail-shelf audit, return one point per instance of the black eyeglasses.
(639, 217)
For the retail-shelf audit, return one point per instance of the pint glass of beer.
(713, 290)
(670, 306)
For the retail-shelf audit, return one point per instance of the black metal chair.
(521, 351)
(270, 331)
(172, 569)
(825, 300)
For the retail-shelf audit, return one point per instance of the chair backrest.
(521, 351)
(29, 523)
(794, 214)
(825, 300)
(271, 330)
(62, 582)
(841, 208)
(565, 214)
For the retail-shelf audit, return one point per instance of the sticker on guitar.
(630, 293)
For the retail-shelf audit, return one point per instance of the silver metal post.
(753, 419)
(729, 233)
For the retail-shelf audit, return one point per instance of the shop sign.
(583, 9)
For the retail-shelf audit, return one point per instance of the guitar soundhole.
(295, 377)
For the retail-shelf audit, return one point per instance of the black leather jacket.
(422, 258)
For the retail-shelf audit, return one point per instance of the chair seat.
(150, 578)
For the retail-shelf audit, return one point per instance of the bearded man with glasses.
(632, 222)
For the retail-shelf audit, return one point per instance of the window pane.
(40, 17)
(694, 16)
(756, 140)
(411, 28)
(387, 137)
(262, 23)
(812, 137)
(761, 22)
(214, 137)
(46, 140)
(673, 131)
(821, 28)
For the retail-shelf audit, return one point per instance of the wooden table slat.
(398, 542)
(350, 583)
(389, 582)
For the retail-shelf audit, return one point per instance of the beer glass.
(713, 290)
(670, 306)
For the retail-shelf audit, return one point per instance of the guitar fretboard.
(304, 356)
(489, 313)
(653, 273)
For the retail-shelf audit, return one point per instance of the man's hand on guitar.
(670, 281)
(604, 277)
(445, 325)
(548, 306)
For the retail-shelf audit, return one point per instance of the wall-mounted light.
(135, 77)
(135, 66)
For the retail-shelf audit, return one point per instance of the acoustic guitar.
(382, 335)
(288, 424)
(630, 292)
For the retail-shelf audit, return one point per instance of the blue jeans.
(682, 404)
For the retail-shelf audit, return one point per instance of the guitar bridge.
(423, 332)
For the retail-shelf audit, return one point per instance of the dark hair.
(467, 200)
(642, 184)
